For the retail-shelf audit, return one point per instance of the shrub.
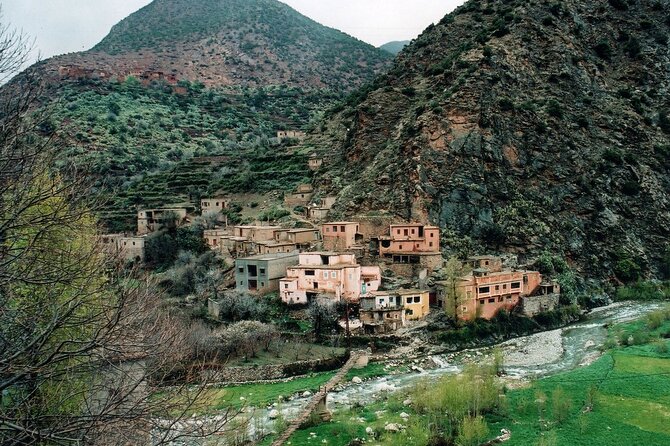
(472, 431)
(561, 404)
(627, 270)
(620, 5)
(603, 50)
(554, 109)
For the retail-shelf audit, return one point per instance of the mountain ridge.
(248, 43)
(521, 128)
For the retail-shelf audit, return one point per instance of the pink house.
(410, 238)
(340, 235)
(328, 273)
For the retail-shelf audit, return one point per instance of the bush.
(561, 405)
(554, 109)
(603, 50)
(472, 431)
(627, 270)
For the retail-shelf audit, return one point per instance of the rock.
(369, 430)
(356, 380)
(407, 402)
(392, 427)
(306, 394)
(274, 414)
(404, 416)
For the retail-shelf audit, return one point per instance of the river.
(528, 357)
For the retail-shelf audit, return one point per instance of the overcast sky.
(63, 26)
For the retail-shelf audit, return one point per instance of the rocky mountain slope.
(229, 42)
(523, 127)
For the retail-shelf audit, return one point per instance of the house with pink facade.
(411, 243)
(340, 236)
(332, 274)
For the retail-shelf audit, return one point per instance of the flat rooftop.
(268, 257)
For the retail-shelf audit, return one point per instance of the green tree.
(454, 270)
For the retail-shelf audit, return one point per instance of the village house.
(152, 220)
(302, 237)
(301, 197)
(485, 291)
(319, 211)
(256, 233)
(261, 273)
(340, 236)
(292, 134)
(336, 275)
(381, 312)
(412, 243)
(386, 311)
(274, 247)
(214, 204)
(123, 246)
(315, 162)
(213, 237)
(132, 248)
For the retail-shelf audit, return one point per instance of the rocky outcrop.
(522, 127)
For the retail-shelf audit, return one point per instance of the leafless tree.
(85, 346)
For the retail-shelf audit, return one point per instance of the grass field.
(623, 399)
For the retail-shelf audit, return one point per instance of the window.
(398, 232)
(309, 272)
(417, 299)
(342, 229)
(497, 287)
(516, 285)
(262, 283)
(217, 203)
(430, 244)
(382, 301)
(400, 247)
(240, 269)
(492, 301)
(525, 279)
(468, 294)
(262, 270)
(481, 302)
(327, 228)
(241, 283)
(333, 274)
(413, 231)
(509, 297)
(405, 233)
(409, 300)
(334, 228)
(286, 286)
(409, 312)
(500, 299)
(504, 286)
(464, 309)
(432, 235)
(484, 289)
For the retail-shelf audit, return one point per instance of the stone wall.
(533, 305)
(271, 372)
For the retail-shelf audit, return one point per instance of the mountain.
(522, 127)
(228, 42)
(185, 98)
(394, 47)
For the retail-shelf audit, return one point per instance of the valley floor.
(623, 398)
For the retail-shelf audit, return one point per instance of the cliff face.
(247, 43)
(522, 126)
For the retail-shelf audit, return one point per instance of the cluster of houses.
(343, 262)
